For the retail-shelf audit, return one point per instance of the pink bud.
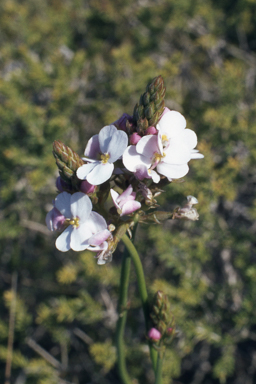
(151, 131)
(169, 331)
(87, 188)
(135, 138)
(154, 334)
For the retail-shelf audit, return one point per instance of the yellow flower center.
(74, 222)
(104, 157)
(164, 138)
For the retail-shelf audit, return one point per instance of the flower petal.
(93, 147)
(81, 206)
(105, 136)
(99, 238)
(114, 196)
(190, 138)
(147, 146)
(62, 203)
(131, 159)
(63, 241)
(172, 171)
(129, 207)
(97, 222)
(80, 236)
(171, 124)
(85, 169)
(100, 173)
(117, 145)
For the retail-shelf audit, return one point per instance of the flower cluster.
(130, 160)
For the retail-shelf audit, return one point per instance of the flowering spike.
(151, 105)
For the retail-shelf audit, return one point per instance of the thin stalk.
(122, 310)
(160, 359)
(142, 291)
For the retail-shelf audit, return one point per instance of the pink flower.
(154, 334)
(125, 203)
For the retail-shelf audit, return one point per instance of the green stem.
(122, 310)
(159, 367)
(142, 291)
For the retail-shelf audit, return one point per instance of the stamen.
(74, 222)
(104, 158)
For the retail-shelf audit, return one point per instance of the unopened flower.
(154, 334)
(125, 203)
(187, 212)
(87, 188)
(101, 152)
(135, 138)
(167, 153)
(84, 227)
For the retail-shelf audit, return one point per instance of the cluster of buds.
(164, 328)
(131, 161)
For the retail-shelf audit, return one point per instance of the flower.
(84, 227)
(125, 203)
(154, 334)
(168, 152)
(101, 152)
(187, 212)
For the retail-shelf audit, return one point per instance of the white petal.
(63, 241)
(114, 196)
(172, 171)
(85, 169)
(105, 136)
(147, 146)
(154, 175)
(171, 124)
(117, 145)
(79, 237)
(96, 222)
(132, 159)
(177, 153)
(81, 206)
(190, 138)
(62, 203)
(100, 173)
(92, 147)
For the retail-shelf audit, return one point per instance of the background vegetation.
(67, 68)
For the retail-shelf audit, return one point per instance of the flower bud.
(87, 188)
(151, 131)
(135, 138)
(154, 334)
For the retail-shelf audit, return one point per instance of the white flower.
(167, 153)
(85, 228)
(102, 151)
(125, 203)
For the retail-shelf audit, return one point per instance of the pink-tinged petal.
(105, 136)
(154, 175)
(190, 138)
(99, 238)
(85, 169)
(114, 196)
(63, 241)
(81, 206)
(172, 124)
(62, 203)
(172, 171)
(79, 237)
(55, 220)
(117, 145)
(177, 153)
(147, 146)
(142, 172)
(129, 207)
(127, 192)
(93, 147)
(96, 222)
(100, 173)
(131, 159)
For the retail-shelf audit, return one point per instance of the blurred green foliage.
(67, 68)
